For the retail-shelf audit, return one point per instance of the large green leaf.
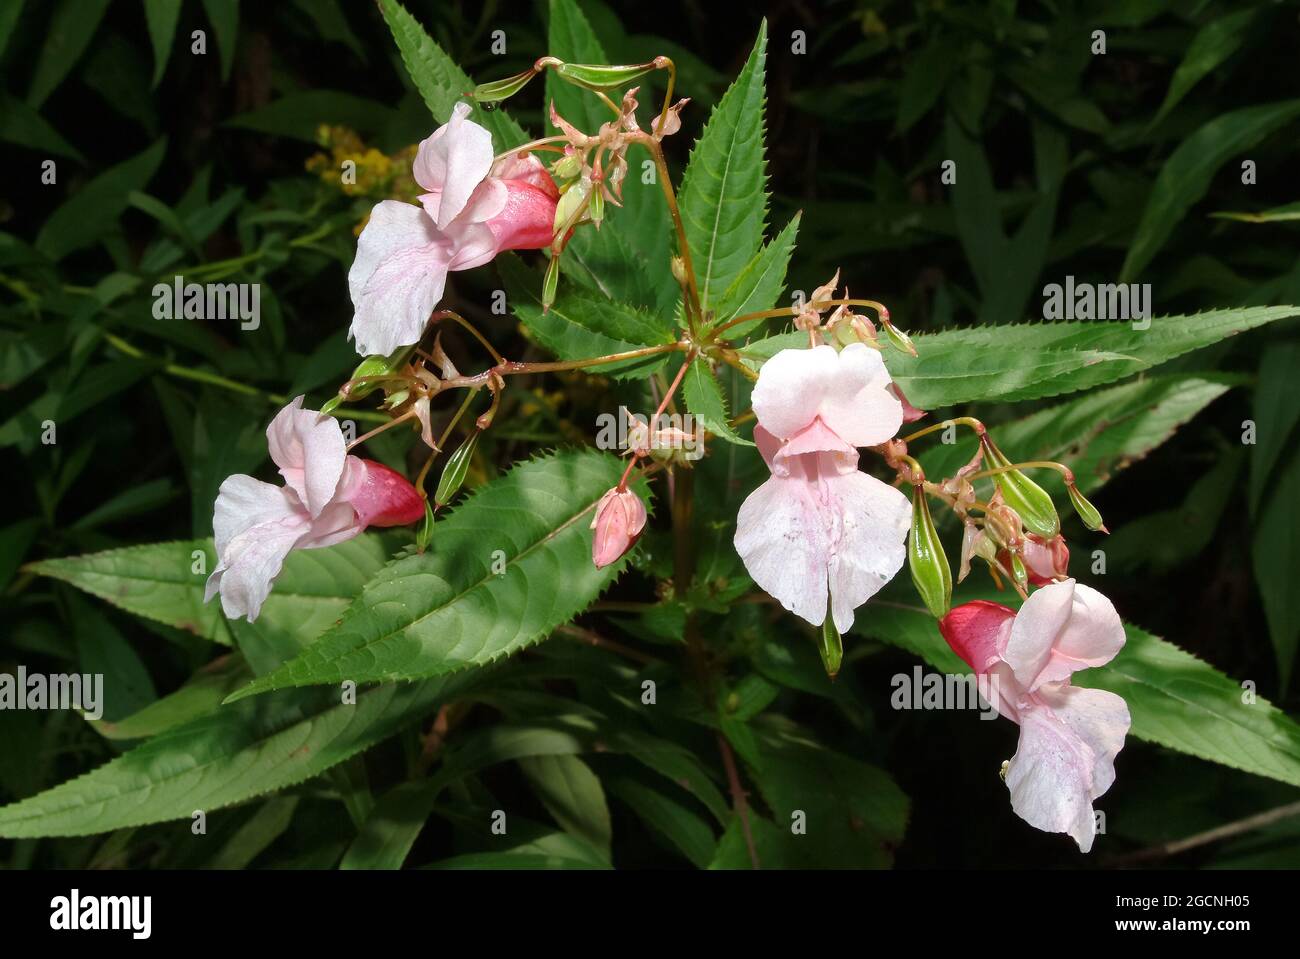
(231, 755)
(71, 29)
(93, 210)
(1276, 557)
(158, 582)
(1187, 173)
(1214, 43)
(1096, 435)
(1175, 699)
(1030, 361)
(441, 83)
(581, 326)
(723, 193)
(505, 568)
(759, 285)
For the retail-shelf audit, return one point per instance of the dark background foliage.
(858, 127)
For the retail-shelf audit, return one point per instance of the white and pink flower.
(474, 208)
(328, 497)
(1069, 736)
(819, 529)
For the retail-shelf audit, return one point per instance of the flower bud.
(567, 166)
(930, 571)
(1027, 498)
(371, 366)
(1087, 512)
(384, 497)
(620, 518)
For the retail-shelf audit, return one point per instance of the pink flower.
(328, 497)
(1069, 736)
(818, 527)
(620, 518)
(473, 210)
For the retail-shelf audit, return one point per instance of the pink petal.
(858, 403)
(397, 277)
(869, 524)
(1069, 738)
(256, 525)
(453, 161)
(384, 497)
(978, 632)
(817, 437)
(525, 168)
(310, 451)
(1062, 628)
(790, 389)
(527, 219)
(782, 539)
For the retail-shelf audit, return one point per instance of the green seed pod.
(550, 282)
(572, 203)
(454, 473)
(899, 340)
(602, 77)
(425, 536)
(831, 646)
(1087, 512)
(930, 570)
(1018, 570)
(596, 210)
(1027, 498)
(499, 90)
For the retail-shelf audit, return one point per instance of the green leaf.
(224, 17)
(441, 83)
(71, 28)
(1276, 555)
(93, 210)
(1214, 43)
(1034, 360)
(157, 582)
(1275, 411)
(1187, 173)
(21, 124)
(511, 563)
(264, 827)
(198, 697)
(161, 17)
(656, 806)
(723, 192)
(1096, 435)
(1278, 214)
(573, 796)
(580, 326)
(704, 398)
(854, 814)
(760, 284)
(229, 756)
(1175, 699)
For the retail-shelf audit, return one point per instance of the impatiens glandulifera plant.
(668, 287)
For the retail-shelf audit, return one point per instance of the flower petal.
(859, 405)
(781, 537)
(310, 451)
(256, 525)
(1062, 628)
(397, 277)
(453, 161)
(1069, 738)
(790, 389)
(872, 519)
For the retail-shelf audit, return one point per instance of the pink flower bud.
(620, 517)
(385, 497)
